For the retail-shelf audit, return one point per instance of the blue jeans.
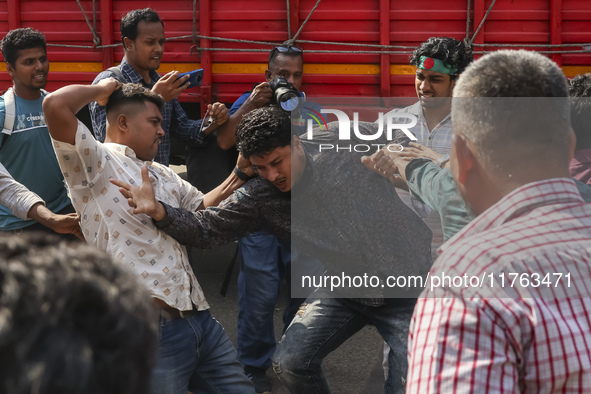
(196, 355)
(265, 262)
(328, 322)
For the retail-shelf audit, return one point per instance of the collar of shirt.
(519, 202)
(134, 77)
(127, 151)
(417, 110)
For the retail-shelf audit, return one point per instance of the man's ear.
(10, 69)
(122, 123)
(127, 43)
(465, 158)
(268, 75)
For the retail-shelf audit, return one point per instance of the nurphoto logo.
(399, 121)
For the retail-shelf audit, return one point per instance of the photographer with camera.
(265, 261)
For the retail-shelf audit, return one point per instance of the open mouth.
(280, 184)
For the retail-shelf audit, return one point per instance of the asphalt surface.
(354, 368)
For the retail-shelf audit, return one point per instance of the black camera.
(285, 94)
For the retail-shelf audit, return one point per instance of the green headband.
(429, 63)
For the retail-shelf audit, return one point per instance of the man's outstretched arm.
(61, 106)
(25, 204)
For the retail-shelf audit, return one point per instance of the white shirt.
(107, 221)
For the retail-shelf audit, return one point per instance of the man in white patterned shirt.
(195, 353)
(519, 321)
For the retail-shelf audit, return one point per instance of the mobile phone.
(195, 77)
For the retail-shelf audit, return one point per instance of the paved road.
(354, 368)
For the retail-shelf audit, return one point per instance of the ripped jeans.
(324, 324)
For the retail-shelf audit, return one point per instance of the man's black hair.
(263, 130)
(130, 21)
(18, 39)
(72, 320)
(580, 109)
(132, 93)
(290, 52)
(457, 54)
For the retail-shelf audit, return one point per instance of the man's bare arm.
(60, 107)
(260, 96)
(232, 182)
(61, 224)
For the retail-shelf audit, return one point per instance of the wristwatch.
(242, 175)
(442, 160)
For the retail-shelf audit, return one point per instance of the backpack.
(10, 110)
(118, 74)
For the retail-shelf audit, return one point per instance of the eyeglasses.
(288, 48)
(284, 49)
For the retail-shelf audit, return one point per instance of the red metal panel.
(385, 40)
(294, 19)
(14, 14)
(107, 32)
(395, 22)
(556, 27)
(206, 56)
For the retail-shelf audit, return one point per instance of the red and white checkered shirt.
(527, 334)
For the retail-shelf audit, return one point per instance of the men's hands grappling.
(142, 198)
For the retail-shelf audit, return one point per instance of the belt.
(170, 313)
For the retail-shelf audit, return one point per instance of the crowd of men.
(492, 191)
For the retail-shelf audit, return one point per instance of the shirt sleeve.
(424, 183)
(235, 217)
(15, 196)
(191, 197)
(183, 129)
(98, 114)
(83, 163)
(238, 103)
(436, 188)
(457, 346)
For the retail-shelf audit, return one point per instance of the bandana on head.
(428, 63)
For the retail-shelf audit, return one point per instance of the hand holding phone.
(195, 77)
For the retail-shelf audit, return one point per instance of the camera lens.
(288, 99)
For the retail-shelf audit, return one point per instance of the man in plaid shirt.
(142, 34)
(507, 307)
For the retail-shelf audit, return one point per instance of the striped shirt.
(529, 335)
